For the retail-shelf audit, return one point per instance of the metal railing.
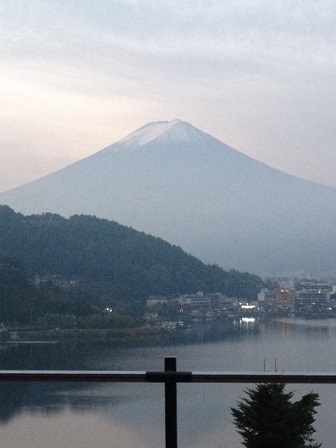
(170, 377)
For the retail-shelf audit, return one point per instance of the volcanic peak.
(175, 130)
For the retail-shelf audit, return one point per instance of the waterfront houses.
(298, 297)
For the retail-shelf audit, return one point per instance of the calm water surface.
(132, 415)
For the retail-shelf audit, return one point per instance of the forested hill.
(122, 261)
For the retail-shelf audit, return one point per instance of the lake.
(132, 415)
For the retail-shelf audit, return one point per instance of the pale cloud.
(77, 75)
(28, 168)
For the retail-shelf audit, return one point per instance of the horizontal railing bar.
(276, 377)
(165, 377)
(73, 375)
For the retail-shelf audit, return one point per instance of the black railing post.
(171, 406)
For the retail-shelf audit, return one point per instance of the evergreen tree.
(268, 418)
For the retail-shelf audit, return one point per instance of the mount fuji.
(174, 181)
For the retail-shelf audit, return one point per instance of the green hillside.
(114, 261)
(22, 303)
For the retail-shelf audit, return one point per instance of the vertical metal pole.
(171, 406)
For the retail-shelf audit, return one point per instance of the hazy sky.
(77, 75)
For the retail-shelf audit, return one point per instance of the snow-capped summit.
(175, 130)
(174, 181)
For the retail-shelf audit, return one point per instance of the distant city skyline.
(76, 76)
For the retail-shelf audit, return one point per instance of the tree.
(268, 418)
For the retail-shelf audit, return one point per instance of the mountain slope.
(172, 180)
(115, 260)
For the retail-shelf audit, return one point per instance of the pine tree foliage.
(268, 418)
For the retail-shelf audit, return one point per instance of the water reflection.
(48, 399)
(132, 415)
(315, 329)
